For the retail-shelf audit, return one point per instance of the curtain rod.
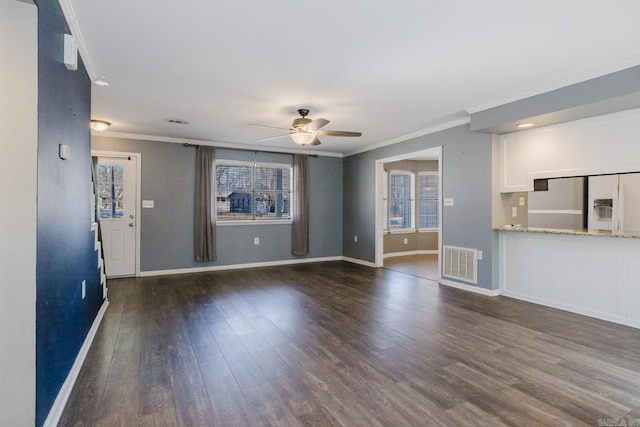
(186, 144)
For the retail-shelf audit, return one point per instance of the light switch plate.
(448, 201)
(521, 201)
(64, 151)
(148, 204)
(514, 211)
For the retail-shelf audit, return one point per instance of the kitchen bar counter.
(578, 271)
(583, 232)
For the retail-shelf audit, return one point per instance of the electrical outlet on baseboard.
(479, 255)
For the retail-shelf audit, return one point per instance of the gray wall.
(466, 177)
(168, 172)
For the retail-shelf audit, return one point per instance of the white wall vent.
(460, 263)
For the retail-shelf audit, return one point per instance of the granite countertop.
(583, 232)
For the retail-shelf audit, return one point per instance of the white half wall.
(595, 276)
(18, 175)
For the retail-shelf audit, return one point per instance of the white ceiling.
(387, 69)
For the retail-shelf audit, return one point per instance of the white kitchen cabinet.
(599, 145)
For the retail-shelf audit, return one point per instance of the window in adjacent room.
(401, 200)
(252, 191)
(428, 200)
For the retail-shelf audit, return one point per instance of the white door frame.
(138, 159)
(436, 154)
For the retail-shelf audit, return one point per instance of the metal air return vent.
(460, 263)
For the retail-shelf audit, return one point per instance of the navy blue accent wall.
(65, 254)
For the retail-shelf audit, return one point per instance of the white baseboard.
(470, 288)
(236, 266)
(408, 253)
(359, 261)
(65, 390)
(573, 309)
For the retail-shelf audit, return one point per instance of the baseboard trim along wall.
(359, 261)
(477, 290)
(65, 391)
(236, 266)
(573, 309)
(407, 253)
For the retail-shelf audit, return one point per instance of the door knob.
(131, 224)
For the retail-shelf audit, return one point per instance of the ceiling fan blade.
(337, 133)
(265, 126)
(316, 124)
(316, 141)
(273, 137)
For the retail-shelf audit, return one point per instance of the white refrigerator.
(614, 203)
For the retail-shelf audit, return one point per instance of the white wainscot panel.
(594, 276)
(605, 144)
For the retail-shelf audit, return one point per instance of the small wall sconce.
(99, 125)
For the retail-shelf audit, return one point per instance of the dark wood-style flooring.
(341, 344)
(425, 266)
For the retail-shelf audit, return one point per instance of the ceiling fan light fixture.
(303, 138)
(99, 125)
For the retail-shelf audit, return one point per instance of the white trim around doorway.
(434, 153)
(138, 159)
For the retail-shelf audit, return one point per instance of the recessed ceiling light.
(101, 82)
(525, 125)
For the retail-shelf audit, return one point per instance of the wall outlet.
(479, 255)
(84, 289)
(406, 241)
(514, 211)
(521, 201)
(355, 239)
(256, 240)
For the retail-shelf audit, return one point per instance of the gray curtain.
(205, 214)
(300, 206)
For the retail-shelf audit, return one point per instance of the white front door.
(117, 202)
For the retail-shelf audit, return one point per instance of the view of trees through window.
(111, 190)
(252, 191)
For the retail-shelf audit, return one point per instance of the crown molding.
(218, 144)
(74, 26)
(427, 131)
(558, 84)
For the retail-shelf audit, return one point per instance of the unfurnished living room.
(345, 213)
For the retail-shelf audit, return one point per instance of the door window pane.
(111, 191)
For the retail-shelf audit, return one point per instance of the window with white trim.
(428, 200)
(252, 191)
(408, 207)
(401, 200)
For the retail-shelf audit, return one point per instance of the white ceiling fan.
(305, 131)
